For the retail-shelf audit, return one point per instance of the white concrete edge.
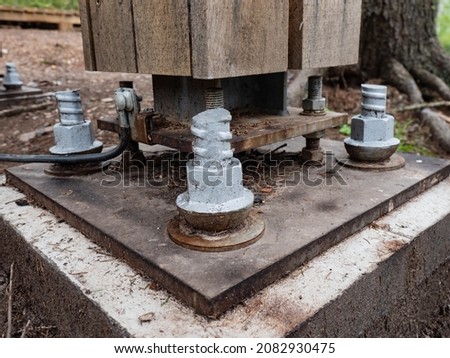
(126, 295)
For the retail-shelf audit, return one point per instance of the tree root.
(439, 127)
(433, 82)
(397, 75)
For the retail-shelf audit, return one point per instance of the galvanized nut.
(314, 102)
(314, 105)
(372, 137)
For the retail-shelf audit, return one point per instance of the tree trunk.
(399, 44)
(404, 31)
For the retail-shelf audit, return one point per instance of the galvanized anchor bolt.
(214, 97)
(312, 143)
(373, 101)
(372, 138)
(215, 200)
(73, 135)
(314, 103)
(12, 78)
(70, 108)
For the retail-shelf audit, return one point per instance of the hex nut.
(372, 129)
(74, 139)
(314, 105)
(309, 155)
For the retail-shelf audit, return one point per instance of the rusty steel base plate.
(303, 218)
(249, 131)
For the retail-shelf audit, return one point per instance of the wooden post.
(324, 33)
(208, 39)
(238, 38)
(162, 37)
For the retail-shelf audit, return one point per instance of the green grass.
(47, 4)
(407, 145)
(345, 129)
(443, 24)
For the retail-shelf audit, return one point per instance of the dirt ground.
(53, 61)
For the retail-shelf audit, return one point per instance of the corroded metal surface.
(249, 132)
(68, 170)
(374, 154)
(393, 163)
(254, 132)
(18, 96)
(249, 232)
(303, 217)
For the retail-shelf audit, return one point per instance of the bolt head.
(314, 105)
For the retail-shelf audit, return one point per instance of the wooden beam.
(112, 29)
(324, 33)
(209, 39)
(162, 37)
(238, 38)
(86, 33)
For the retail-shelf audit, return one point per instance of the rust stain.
(282, 313)
(394, 245)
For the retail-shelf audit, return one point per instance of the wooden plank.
(162, 37)
(9, 13)
(86, 34)
(113, 35)
(237, 38)
(324, 33)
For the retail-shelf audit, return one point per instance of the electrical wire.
(71, 158)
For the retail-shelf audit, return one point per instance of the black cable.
(71, 159)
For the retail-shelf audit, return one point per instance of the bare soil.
(53, 61)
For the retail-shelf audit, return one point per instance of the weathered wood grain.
(162, 37)
(86, 33)
(112, 30)
(323, 33)
(209, 39)
(237, 38)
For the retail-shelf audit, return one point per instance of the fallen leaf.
(266, 190)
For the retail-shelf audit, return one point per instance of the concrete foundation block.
(381, 281)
